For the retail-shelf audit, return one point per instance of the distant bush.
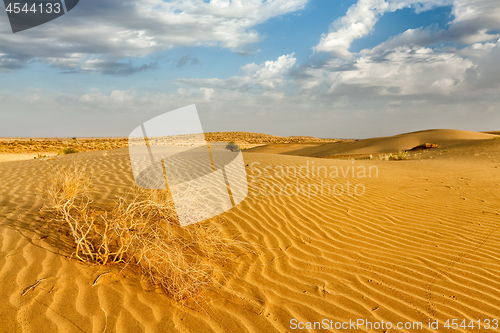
(67, 151)
(233, 147)
(402, 155)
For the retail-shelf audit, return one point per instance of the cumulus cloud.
(258, 84)
(114, 67)
(267, 76)
(409, 82)
(404, 71)
(409, 69)
(10, 62)
(118, 29)
(186, 60)
(411, 37)
(418, 5)
(484, 76)
(473, 21)
(358, 22)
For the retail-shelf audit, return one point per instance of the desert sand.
(17, 149)
(406, 241)
(407, 141)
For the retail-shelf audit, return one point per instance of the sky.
(325, 68)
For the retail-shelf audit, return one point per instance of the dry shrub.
(142, 229)
(402, 155)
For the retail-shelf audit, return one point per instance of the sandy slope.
(421, 243)
(20, 157)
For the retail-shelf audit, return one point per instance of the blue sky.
(288, 67)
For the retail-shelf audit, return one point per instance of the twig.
(32, 287)
(106, 315)
(276, 258)
(97, 278)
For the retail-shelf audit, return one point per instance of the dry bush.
(402, 155)
(142, 229)
(66, 151)
(68, 194)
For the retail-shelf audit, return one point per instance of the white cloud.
(117, 98)
(473, 21)
(403, 84)
(358, 22)
(411, 37)
(103, 32)
(485, 74)
(405, 65)
(403, 71)
(267, 76)
(419, 5)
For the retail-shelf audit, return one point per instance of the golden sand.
(420, 243)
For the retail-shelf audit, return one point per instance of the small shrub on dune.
(232, 146)
(68, 187)
(67, 151)
(402, 155)
(381, 157)
(142, 229)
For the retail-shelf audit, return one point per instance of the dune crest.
(444, 138)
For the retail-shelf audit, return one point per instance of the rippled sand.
(420, 243)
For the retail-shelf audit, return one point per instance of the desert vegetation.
(55, 145)
(402, 155)
(232, 147)
(140, 229)
(66, 151)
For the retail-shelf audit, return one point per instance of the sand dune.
(55, 145)
(420, 243)
(443, 138)
(19, 157)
